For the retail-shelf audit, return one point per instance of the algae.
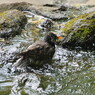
(81, 28)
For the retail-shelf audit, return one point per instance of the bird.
(39, 53)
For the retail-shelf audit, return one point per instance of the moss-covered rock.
(11, 23)
(80, 31)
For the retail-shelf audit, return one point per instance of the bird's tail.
(22, 54)
(20, 63)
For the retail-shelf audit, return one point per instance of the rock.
(51, 11)
(11, 23)
(49, 5)
(38, 23)
(22, 6)
(80, 31)
(92, 9)
(47, 24)
(53, 15)
(63, 8)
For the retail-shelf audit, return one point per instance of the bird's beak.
(59, 37)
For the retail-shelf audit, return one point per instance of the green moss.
(69, 25)
(10, 18)
(80, 35)
(81, 27)
(3, 15)
(23, 93)
(11, 23)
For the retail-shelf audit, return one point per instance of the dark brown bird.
(39, 53)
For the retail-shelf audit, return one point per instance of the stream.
(72, 72)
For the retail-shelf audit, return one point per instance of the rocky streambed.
(72, 71)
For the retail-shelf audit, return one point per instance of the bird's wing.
(36, 49)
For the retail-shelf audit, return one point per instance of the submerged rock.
(80, 31)
(11, 23)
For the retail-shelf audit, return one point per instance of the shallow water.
(72, 72)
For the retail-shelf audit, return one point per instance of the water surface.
(72, 72)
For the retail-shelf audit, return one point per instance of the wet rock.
(47, 24)
(22, 6)
(90, 9)
(80, 31)
(37, 22)
(39, 11)
(50, 5)
(52, 11)
(53, 15)
(11, 23)
(63, 8)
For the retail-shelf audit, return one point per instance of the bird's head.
(51, 38)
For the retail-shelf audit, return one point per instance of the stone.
(80, 31)
(11, 23)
